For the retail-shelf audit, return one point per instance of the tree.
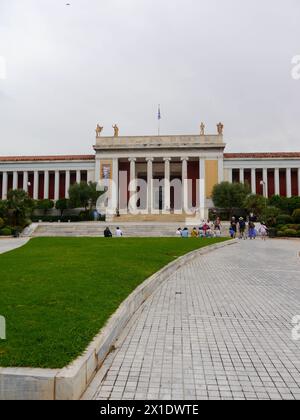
(230, 196)
(45, 205)
(84, 195)
(20, 205)
(255, 204)
(62, 205)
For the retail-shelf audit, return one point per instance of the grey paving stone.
(228, 334)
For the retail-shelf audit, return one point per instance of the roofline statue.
(98, 130)
(220, 128)
(116, 130)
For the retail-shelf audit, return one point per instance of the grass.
(57, 293)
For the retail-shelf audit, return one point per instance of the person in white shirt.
(119, 233)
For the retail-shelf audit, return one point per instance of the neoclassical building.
(197, 161)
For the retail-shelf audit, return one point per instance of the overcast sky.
(113, 61)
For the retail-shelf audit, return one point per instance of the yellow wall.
(211, 176)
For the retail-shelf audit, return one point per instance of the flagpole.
(159, 117)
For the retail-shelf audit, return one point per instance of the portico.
(163, 174)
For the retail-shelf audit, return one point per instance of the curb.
(72, 381)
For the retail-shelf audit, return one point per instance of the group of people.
(244, 230)
(108, 233)
(206, 229)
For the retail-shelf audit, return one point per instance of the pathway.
(219, 328)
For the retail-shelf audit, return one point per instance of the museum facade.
(177, 172)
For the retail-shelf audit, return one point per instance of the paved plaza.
(219, 328)
(8, 244)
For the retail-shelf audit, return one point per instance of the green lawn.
(56, 293)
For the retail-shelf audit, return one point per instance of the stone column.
(149, 184)
(265, 180)
(56, 186)
(277, 182)
(220, 170)
(15, 180)
(253, 181)
(36, 185)
(242, 176)
(25, 181)
(185, 183)
(202, 187)
(78, 176)
(288, 182)
(132, 206)
(167, 186)
(229, 175)
(4, 185)
(67, 184)
(46, 185)
(115, 185)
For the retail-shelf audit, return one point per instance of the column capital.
(149, 159)
(167, 159)
(184, 159)
(132, 159)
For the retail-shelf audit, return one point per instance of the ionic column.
(202, 187)
(67, 184)
(253, 181)
(242, 176)
(4, 185)
(149, 184)
(115, 184)
(36, 185)
(15, 180)
(277, 182)
(185, 183)
(56, 186)
(288, 182)
(78, 176)
(46, 185)
(25, 181)
(265, 180)
(167, 200)
(132, 183)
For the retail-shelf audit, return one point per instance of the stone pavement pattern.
(219, 328)
(8, 244)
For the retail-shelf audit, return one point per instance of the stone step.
(96, 229)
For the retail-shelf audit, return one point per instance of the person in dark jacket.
(107, 233)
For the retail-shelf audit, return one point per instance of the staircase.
(96, 229)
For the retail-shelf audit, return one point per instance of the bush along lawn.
(57, 293)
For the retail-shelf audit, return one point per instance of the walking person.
(263, 231)
(251, 230)
(242, 228)
(233, 228)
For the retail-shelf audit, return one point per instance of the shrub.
(6, 231)
(1, 223)
(296, 216)
(284, 219)
(290, 232)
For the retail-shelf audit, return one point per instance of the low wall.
(70, 382)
